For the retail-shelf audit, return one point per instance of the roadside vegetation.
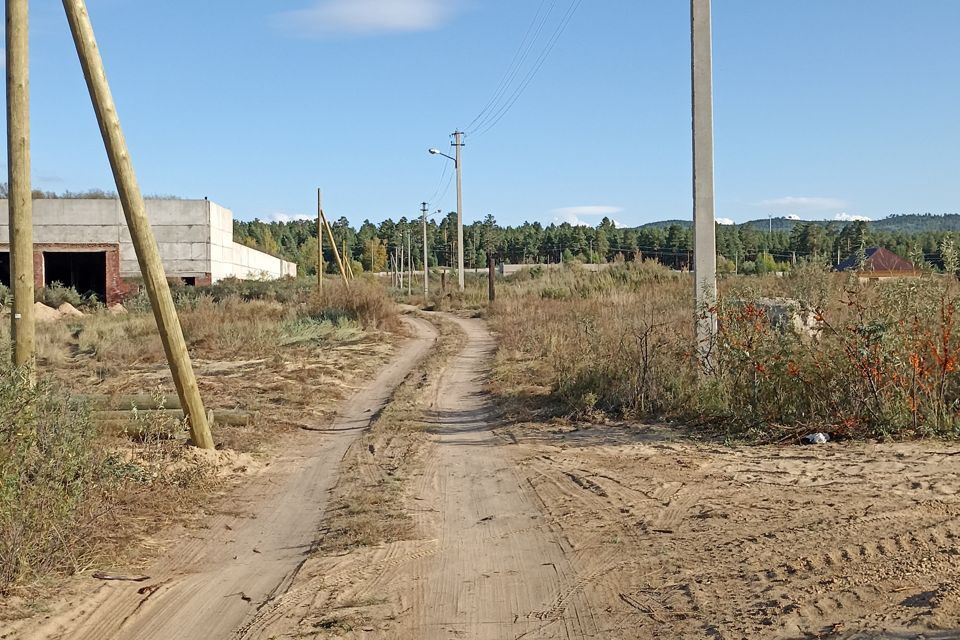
(75, 491)
(618, 343)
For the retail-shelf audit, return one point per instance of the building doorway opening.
(5, 268)
(85, 271)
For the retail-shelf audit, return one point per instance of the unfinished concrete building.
(85, 243)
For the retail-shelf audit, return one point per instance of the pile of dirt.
(117, 309)
(43, 313)
(67, 310)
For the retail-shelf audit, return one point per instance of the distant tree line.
(746, 248)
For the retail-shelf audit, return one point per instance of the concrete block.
(78, 212)
(177, 212)
(63, 234)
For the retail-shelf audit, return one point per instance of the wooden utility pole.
(20, 199)
(333, 245)
(704, 224)
(492, 276)
(347, 259)
(135, 211)
(319, 243)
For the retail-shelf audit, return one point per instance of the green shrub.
(55, 294)
(47, 465)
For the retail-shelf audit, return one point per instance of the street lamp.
(457, 163)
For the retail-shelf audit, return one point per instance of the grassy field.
(73, 492)
(618, 343)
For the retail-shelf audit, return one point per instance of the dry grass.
(251, 351)
(619, 343)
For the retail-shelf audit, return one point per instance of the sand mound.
(43, 313)
(117, 309)
(67, 310)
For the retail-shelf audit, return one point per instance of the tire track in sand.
(499, 571)
(212, 583)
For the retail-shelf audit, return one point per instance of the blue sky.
(823, 107)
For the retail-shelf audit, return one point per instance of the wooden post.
(20, 202)
(333, 244)
(319, 243)
(492, 276)
(134, 209)
(347, 259)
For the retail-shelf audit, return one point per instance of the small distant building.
(85, 243)
(880, 263)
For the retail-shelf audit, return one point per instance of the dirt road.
(485, 566)
(211, 582)
(635, 532)
(497, 570)
(564, 531)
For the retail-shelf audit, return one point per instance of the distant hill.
(897, 223)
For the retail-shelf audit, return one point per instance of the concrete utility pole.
(319, 243)
(20, 198)
(426, 264)
(458, 143)
(135, 211)
(704, 224)
(410, 262)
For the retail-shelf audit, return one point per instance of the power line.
(494, 117)
(523, 51)
(436, 192)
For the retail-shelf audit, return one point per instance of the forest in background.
(759, 246)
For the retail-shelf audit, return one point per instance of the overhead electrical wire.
(436, 192)
(494, 115)
(523, 51)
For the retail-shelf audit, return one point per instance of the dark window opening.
(5, 268)
(85, 271)
(190, 282)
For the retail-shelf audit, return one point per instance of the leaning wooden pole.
(347, 259)
(333, 245)
(20, 200)
(319, 243)
(144, 242)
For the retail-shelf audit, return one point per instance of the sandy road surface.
(634, 532)
(484, 565)
(675, 539)
(210, 583)
(497, 571)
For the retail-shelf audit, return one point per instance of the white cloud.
(845, 217)
(803, 203)
(576, 215)
(367, 17)
(279, 216)
(725, 221)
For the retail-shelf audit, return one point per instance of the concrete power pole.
(135, 211)
(458, 143)
(704, 225)
(410, 262)
(22, 327)
(426, 264)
